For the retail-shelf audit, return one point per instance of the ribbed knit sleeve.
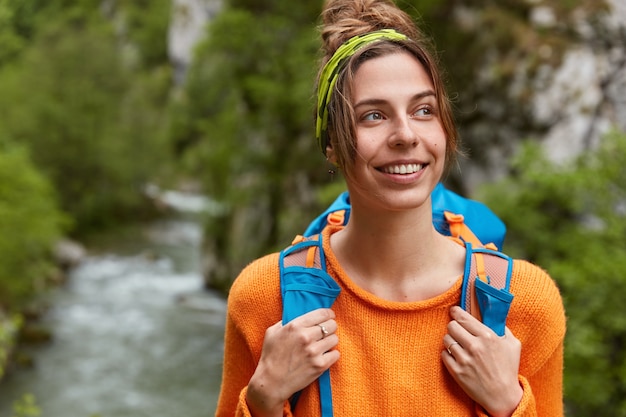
(537, 314)
(254, 304)
(537, 319)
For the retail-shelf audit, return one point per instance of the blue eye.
(373, 116)
(424, 111)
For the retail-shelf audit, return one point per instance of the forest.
(90, 115)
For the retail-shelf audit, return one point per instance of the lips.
(402, 169)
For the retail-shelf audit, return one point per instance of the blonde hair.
(344, 19)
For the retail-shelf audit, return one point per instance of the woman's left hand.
(484, 364)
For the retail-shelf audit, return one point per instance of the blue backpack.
(305, 285)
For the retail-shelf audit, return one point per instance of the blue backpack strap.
(486, 281)
(305, 286)
(483, 222)
(342, 202)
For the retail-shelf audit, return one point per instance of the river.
(134, 333)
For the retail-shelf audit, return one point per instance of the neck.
(391, 234)
(400, 241)
(398, 256)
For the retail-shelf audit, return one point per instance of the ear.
(330, 155)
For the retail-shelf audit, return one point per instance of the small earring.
(331, 172)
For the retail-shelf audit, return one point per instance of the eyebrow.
(377, 101)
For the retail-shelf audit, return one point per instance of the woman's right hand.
(293, 356)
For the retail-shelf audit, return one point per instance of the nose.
(403, 134)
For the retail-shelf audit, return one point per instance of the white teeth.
(403, 169)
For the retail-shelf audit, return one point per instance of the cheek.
(365, 144)
(441, 140)
(438, 141)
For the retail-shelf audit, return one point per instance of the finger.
(327, 344)
(326, 341)
(449, 342)
(326, 328)
(321, 332)
(274, 328)
(452, 360)
(508, 332)
(314, 317)
(468, 322)
(451, 346)
(331, 357)
(327, 359)
(458, 333)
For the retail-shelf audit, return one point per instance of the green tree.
(10, 41)
(146, 25)
(571, 220)
(92, 121)
(244, 124)
(30, 223)
(9, 327)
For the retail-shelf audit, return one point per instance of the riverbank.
(134, 331)
(9, 329)
(16, 328)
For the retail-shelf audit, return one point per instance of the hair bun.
(343, 19)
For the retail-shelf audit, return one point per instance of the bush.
(30, 222)
(91, 118)
(26, 407)
(9, 328)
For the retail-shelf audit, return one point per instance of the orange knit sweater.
(390, 361)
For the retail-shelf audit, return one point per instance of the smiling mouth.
(402, 169)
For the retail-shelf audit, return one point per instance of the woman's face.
(399, 136)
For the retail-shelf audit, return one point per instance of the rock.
(35, 334)
(566, 95)
(68, 253)
(187, 28)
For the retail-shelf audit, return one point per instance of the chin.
(404, 201)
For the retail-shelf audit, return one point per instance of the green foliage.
(10, 40)
(571, 220)
(29, 224)
(144, 23)
(246, 109)
(26, 407)
(244, 124)
(306, 12)
(329, 193)
(147, 24)
(92, 122)
(8, 334)
(20, 21)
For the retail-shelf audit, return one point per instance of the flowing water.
(134, 334)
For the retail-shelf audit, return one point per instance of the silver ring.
(324, 331)
(450, 345)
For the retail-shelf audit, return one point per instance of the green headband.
(331, 70)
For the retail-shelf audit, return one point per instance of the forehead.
(390, 76)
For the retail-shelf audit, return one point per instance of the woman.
(395, 341)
